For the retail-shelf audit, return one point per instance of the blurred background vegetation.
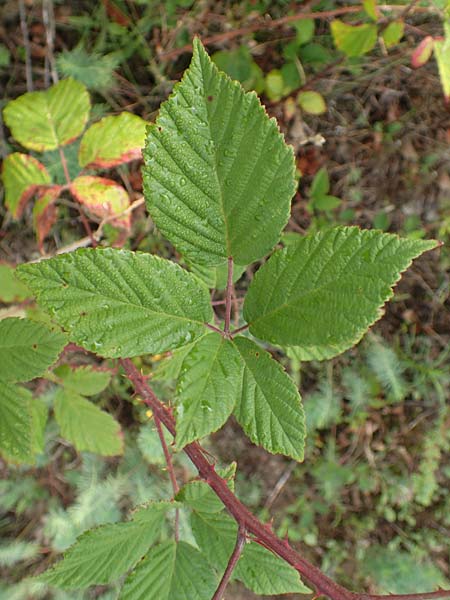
(370, 504)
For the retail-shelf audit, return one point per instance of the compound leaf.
(103, 198)
(27, 348)
(112, 141)
(16, 423)
(328, 288)
(21, 175)
(259, 569)
(45, 120)
(207, 388)
(219, 177)
(85, 425)
(171, 571)
(86, 380)
(119, 303)
(103, 554)
(269, 406)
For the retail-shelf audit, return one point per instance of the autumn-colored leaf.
(423, 52)
(103, 198)
(22, 175)
(45, 213)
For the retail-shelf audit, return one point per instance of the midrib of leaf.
(128, 303)
(319, 288)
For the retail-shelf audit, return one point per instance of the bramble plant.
(218, 180)
(52, 121)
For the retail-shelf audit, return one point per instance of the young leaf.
(393, 33)
(11, 289)
(321, 183)
(219, 177)
(103, 198)
(269, 406)
(259, 569)
(207, 388)
(199, 496)
(21, 175)
(45, 120)
(353, 40)
(102, 555)
(86, 380)
(86, 426)
(27, 348)
(112, 141)
(16, 424)
(328, 288)
(171, 571)
(119, 303)
(45, 212)
(312, 102)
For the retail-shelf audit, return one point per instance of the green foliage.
(21, 175)
(119, 303)
(353, 40)
(27, 349)
(329, 288)
(16, 426)
(207, 387)
(11, 289)
(94, 70)
(213, 146)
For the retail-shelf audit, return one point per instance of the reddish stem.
(239, 329)
(247, 520)
(235, 556)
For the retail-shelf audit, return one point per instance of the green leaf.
(321, 183)
(274, 87)
(150, 445)
(21, 175)
(27, 348)
(259, 569)
(207, 388)
(112, 141)
(200, 497)
(442, 55)
(269, 407)
(305, 353)
(326, 202)
(85, 425)
(370, 6)
(94, 70)
(312, 102)
(119, 303)
(45, 120)
(169, 368)
(305, 30)
(171, 571)
(86, 380)
(216, 277)
(219, 177)
(16, 424)
(11, 289)
(39, 415)
(393, 33)
(102, 555)
(353, 40)
(328, 288)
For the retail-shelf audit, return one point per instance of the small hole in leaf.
(256, 354)
(34, 346)
(210, 98)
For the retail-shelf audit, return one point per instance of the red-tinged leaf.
(45, 213)
(422, 53)
(116, 14)
(22, 175)
(112, 141)
(103, 198)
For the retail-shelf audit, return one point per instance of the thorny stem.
(263, 533)
(171, 471)
(228, 297)
(236, 554)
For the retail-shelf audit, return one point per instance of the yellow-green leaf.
(112, 141)
(442, 54)
(312, 102)
(393, 33)
(11, 289)
(22, 175)
(103, 198)
(45, 120)
(353, 40)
